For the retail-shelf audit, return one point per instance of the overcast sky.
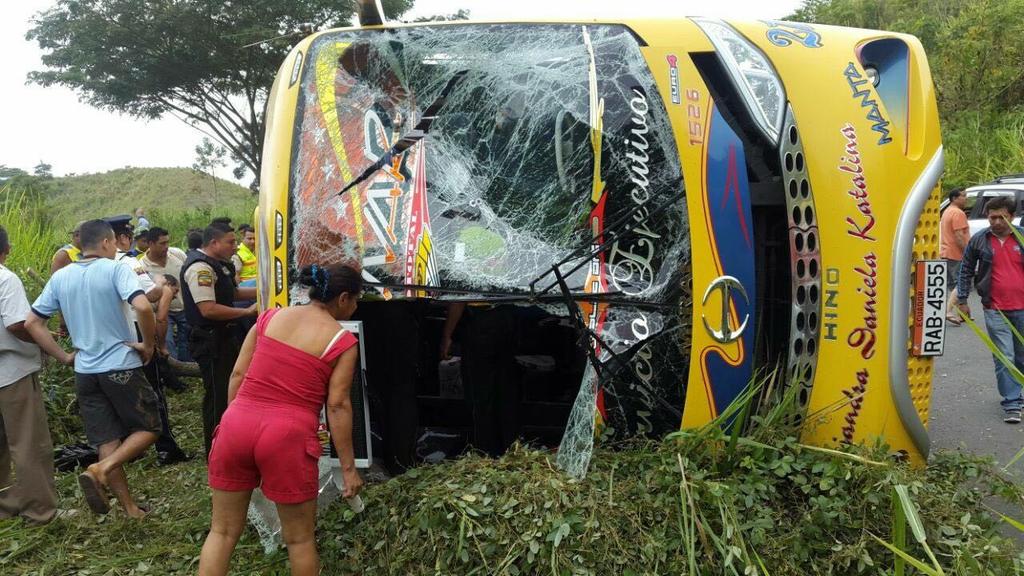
(49, 124)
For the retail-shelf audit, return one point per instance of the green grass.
(166, 543)
(32, 234)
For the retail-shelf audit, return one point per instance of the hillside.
(159, 190)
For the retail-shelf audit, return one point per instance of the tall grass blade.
(841, 454)
(1013, 328)
(760, 563)
(916, 526)
(910, 559)
(996, 352)
(737, 428)
(1011, 521)
(688, 520)
(1016, 457)
(1020, 237)
(899, 534)
(910, 512)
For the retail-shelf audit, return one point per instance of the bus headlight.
(872, 73)
(752, 75)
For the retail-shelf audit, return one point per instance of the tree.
(43, 170)
(975, 47)
(975, 50)
(11, 172)
(462, 14)
(209, 63)
(209, 157)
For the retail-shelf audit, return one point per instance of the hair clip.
(325, 278)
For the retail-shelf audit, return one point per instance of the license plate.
(930, 297)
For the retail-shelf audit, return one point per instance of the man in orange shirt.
(953, 236)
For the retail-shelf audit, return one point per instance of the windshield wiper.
(619, 229)
(413, 136)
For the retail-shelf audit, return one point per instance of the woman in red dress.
(291, 362)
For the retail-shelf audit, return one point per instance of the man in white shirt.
(24, 434)
(160, 260)
(123, 239)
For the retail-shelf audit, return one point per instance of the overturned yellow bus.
(666, 207)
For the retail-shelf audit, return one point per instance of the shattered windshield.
(512, 136)
(505, 161)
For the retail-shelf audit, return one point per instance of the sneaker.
(1012, 417)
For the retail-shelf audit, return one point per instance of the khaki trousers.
(25, 442)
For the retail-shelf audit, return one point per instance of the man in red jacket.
(994, 263)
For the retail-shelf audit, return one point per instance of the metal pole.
(370, 13)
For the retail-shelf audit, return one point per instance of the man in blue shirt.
(118, 406)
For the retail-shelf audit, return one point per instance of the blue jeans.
(177, 336)
(1001, 335)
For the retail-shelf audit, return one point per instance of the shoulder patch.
(204, 278)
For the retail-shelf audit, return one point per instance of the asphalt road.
(965, 412)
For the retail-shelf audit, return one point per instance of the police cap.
(121, 224)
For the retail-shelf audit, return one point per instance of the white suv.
(1011, 185)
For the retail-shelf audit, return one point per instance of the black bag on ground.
(72, 456)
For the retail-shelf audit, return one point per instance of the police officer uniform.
(212, 343)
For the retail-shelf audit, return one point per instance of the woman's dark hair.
(327, 282)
